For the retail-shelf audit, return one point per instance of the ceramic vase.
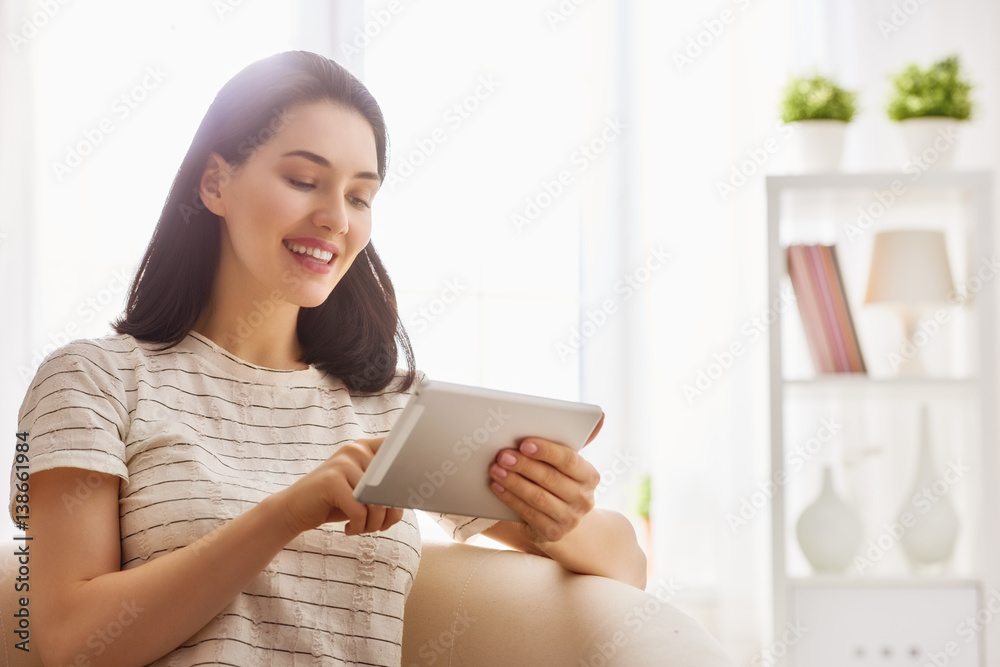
(829, 530)
(929, 517)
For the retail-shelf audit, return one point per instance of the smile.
(313, 254)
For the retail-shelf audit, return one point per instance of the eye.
(299, 185)
(360, 203)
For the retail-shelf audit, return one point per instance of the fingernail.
(507, 459)
(498, 471)
(529, 447)
(497, 487)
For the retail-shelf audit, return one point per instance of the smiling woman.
(301, 163)
(197, 467)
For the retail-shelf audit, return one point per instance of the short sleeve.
(75, 413)
(461, 528)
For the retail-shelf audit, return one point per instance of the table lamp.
(910, 274)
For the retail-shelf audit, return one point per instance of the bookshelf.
(888, 613)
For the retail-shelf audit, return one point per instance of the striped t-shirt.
(199, 436)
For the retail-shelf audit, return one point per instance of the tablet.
(438, 454)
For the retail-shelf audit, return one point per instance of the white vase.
(928, 516)
(818, 144)
(929, 140)
(829, 530)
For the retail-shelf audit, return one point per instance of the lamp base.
(906, 362)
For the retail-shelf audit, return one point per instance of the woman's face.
(298, 211)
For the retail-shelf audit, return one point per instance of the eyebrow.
(323, 162)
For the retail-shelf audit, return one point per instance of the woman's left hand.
(548, 485)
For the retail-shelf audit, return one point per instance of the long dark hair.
(356, 334)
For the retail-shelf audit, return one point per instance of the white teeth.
(323, 256)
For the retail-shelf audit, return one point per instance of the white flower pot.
(818, 144)
(930, 140)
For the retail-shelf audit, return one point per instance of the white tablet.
(438, 454)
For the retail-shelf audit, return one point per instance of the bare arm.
(78, 590)
(603, 543)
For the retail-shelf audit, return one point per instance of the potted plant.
(819, 110)
(929, 104)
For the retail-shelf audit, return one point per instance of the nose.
(333, 216)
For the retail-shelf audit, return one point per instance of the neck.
(253, 325)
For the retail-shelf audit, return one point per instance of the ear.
(213, 181)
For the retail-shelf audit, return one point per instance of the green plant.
(937, 91)
(815, 98)
(643, 496)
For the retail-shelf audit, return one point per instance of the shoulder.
(111, 359)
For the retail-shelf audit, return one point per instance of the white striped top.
(199, 436)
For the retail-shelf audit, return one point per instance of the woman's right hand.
(326, 494)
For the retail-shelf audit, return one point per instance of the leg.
(478, 607)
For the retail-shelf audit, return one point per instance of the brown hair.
(356, 334)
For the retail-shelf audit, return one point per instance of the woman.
(191, 476)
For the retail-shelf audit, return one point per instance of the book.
(823, 305)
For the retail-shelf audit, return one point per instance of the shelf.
(932, 178)
(840, 581)
(857, 385)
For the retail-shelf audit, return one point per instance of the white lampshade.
(909, 267)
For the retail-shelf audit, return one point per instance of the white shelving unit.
(887, 614)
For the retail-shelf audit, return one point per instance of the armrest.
(476, 606)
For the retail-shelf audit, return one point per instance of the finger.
(541, 497)
(597, 429)
(562, 458)
(393, 515)
(539, 521)
(374, 518)
(357, 516)
(372, 444)
(544, 475)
